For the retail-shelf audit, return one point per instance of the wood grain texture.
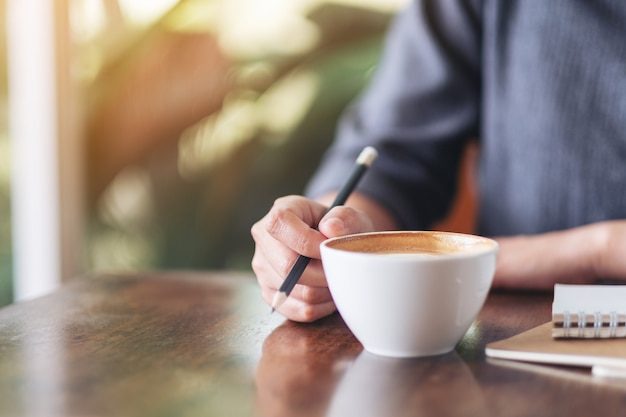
(182, 344)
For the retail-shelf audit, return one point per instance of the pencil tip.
(273, 309)
(279, 298)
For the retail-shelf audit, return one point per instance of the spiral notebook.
(589, 311)
(588, 329)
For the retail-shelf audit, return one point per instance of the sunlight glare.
(145, 11)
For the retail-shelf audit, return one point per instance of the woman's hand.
(287, 231)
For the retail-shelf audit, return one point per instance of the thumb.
(344, 220)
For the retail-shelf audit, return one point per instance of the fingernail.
(335, 225)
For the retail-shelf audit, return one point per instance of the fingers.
(291, 221)
(288, 231)
(344, 220)
(305, 303)
(282, 235)
(313, 275)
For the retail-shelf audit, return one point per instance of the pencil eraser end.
(367, 156)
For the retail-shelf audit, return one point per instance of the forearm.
(578, 255)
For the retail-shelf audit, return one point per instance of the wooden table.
(187, 344)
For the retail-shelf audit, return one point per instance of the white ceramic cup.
(409, 293)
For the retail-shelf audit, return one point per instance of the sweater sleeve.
(420, 109)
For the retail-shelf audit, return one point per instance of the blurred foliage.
(191, 198)
(189, 139)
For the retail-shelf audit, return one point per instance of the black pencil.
(363, 162)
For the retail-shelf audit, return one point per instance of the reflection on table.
(186, 344)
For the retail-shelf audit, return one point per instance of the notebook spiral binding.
(589, 311)
(589, 325)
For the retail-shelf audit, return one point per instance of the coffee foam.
(427, 243)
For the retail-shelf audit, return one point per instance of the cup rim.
(491, 247)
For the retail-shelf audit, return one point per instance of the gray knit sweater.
(541, 84)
